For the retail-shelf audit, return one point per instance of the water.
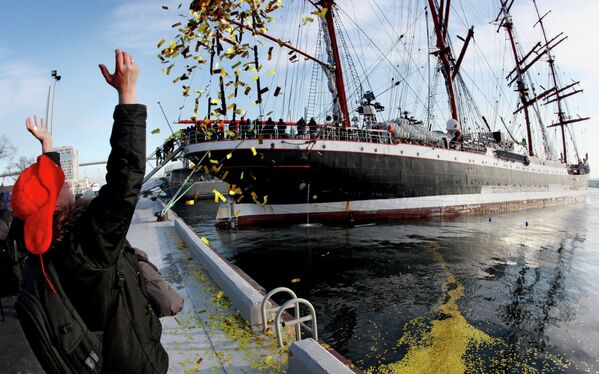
(512, 292)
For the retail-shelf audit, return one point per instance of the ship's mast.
(341, 99)
(520, 83)
(444, 53)
(561, 115)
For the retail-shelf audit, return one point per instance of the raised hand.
(40, 131)
(124, 78)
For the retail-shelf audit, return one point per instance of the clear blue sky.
(74, 36)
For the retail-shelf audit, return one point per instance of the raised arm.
(110, 213)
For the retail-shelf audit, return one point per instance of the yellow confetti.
(229, 155)
(272, 72)
(231, 192)
(254, 151)
(160, 43)
(255, 77)
(214, 161)
(268, 360)
(218, 195)
(308, 19)
(219, 295)
(320, 13)
(206, 241)
(295, 280)
(190, 202)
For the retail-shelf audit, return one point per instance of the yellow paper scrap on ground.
(295, 280)
(190, 202)
(219, 295)
(206, 241)
(229, 155)
(254, 151)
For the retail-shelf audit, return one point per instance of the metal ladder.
(298, 321)
(173, 155)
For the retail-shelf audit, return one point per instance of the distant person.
(281, 128)
(301, 127)
(269, 128)
(158, 156)
(86, 244)
(221, 129)
(243, 127)
(257, 126)
(233, 129)
(312, 127)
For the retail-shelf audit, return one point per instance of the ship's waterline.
(231, 214)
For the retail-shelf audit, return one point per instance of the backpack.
(164, 299)
(57, 334)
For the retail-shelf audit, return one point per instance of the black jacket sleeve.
(104, 228)
(54, 156)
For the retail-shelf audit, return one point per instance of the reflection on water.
(510, 292)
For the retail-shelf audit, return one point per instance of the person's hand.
(39, 130)
(124, 78)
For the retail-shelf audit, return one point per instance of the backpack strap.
(58, 336)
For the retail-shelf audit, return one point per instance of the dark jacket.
(98, 274)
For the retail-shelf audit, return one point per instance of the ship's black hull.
(314, 174)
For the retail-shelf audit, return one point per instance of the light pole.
(50, 101)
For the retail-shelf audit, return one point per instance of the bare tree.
(7, 149)
(17, 167)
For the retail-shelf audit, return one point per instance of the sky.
(73, 37)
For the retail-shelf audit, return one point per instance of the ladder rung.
(296, 321)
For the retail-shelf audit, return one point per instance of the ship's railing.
(322, 132)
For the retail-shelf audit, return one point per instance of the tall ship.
(402, 115)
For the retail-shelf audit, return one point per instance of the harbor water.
(513, 292)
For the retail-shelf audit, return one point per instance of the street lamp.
(50, 101)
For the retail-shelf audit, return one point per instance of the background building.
(69, 162)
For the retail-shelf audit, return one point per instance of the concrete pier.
(209, 335)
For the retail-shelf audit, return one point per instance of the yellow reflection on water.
(449, 344)
(443, 348)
